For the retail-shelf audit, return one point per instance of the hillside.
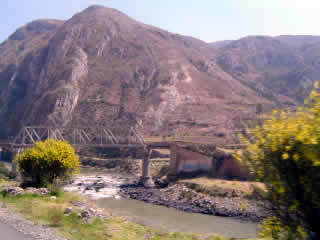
(281, 69)
(103, 68)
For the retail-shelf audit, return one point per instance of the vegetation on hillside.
(284, 152)
(47, 161)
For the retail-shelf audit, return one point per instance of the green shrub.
(48, 161)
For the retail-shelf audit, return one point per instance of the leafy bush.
(48, 161)
(284, 152)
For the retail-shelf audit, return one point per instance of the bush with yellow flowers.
(284, 153)
(271, 228)
(47, 161)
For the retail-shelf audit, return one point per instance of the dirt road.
(7, 232)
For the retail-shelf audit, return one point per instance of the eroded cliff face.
(101, 67)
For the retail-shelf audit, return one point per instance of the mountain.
(220, 44)
(281, 69)
(102, 67)
(299, 41)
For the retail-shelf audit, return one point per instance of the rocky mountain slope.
(281, 69)
(102, 68)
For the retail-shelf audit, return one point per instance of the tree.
(284, 152)
(47, 161)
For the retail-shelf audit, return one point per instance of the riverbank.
(75, 217)
(97, 184)
(180, 197)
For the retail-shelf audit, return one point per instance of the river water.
(159, 217)
(168, 219)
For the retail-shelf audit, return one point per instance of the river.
(154, 216)
(169, 219)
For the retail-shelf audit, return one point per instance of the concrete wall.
(192, 161)
(186, 161)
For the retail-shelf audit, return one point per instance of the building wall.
(192, 161)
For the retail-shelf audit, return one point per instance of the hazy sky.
(209, 20)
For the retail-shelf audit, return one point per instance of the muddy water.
(168, 219)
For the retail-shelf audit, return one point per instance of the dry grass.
(209, 185)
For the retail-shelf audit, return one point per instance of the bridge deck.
(149, 145)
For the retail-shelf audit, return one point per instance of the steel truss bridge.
(82, 137)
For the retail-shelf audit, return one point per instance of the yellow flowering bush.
(47, 161)
(271, 228)
(284, 153)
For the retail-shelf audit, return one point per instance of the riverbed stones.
(68, 210)
(37, 191)
(12, 190)
(96, 186)
(162, 182)
(85, 214)
(180, 197)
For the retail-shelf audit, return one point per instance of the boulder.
(68, 210)
(162, 182)
(98, 185)
(85, 214)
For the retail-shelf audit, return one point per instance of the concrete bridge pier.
(146, 179)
